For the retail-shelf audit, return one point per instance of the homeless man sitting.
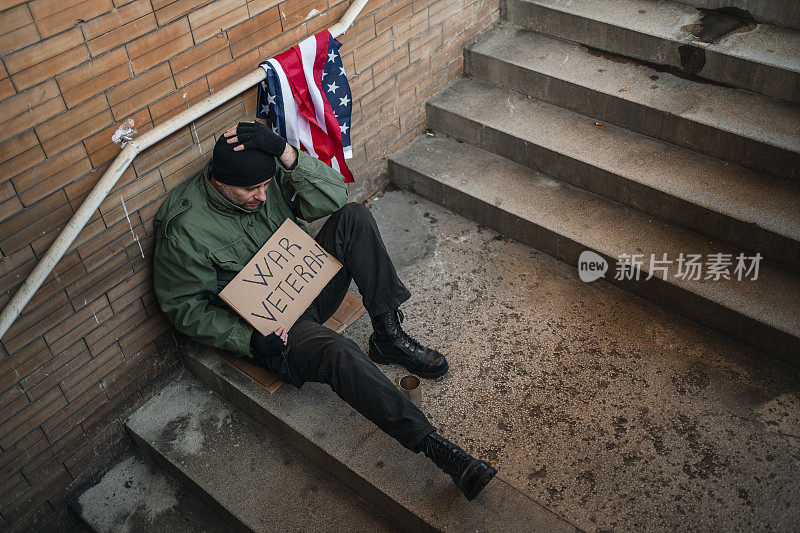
(210, 226)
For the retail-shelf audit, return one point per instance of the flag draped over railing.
(306, 98)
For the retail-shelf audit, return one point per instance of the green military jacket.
(202, 240)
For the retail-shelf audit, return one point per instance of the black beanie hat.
(244, 168)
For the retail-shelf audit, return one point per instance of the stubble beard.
(226, 191)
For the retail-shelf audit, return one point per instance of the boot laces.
(449, 457)
(404, 337)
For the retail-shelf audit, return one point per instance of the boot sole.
(373, 350)
(481, 483)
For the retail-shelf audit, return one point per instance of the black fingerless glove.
(256, 136)
(265, 346)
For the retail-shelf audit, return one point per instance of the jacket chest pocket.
(279, 209)
(228, 261)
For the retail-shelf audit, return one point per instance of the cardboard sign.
(281, 280)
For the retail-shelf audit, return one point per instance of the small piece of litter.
(599, 124)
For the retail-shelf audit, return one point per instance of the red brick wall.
(92, 345)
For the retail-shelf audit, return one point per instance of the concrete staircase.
(202, 465)
(558, 139)
(581, 127)
(219, 453)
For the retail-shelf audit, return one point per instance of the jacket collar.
(214, 198)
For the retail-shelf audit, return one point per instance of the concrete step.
(734, 125)
(778, 12)
(764, 59)
(136, 495)
(250, 478)
(729, 203)
(406, 487)
(563, 221)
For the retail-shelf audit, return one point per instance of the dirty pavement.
(609, 410)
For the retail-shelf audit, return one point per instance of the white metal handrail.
(123, 160)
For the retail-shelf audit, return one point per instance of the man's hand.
(257, 136)
(265, 346)
(283, 334)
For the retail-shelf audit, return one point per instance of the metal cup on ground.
(411, 387)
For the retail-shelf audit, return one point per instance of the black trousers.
(319, 354)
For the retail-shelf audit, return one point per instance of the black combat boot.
(390, 344)
(469, 474)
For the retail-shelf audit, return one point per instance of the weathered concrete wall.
(92, 343)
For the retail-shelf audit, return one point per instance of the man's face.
(249, 198)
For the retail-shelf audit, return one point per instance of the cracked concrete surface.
(607, 409)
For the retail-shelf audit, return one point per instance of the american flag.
(306, 98)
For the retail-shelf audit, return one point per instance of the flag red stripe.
(326, 145)
(292, 64)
